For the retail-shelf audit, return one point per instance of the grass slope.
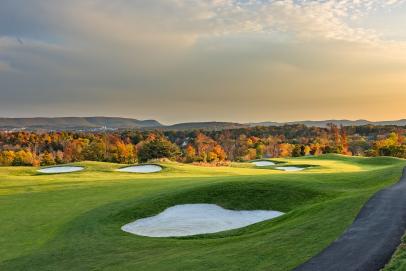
(72, 221)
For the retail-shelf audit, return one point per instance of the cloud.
(172, 54)
(5, 67)
(181, 24)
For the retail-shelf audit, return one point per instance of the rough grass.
(72, 221)
(398, 262)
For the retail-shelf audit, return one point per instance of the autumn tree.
(190, 153)
(73, 150)
(285, 149)
(125, 153)
(208, 150)
(390, 146)
(7, 158)
(47, 159)
(25, 158)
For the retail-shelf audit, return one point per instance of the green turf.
(72, 221)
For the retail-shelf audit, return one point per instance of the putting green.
(72, 221)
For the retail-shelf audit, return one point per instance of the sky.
(203, 60)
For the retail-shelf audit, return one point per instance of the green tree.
(156, 148)
(297, 151)
(95, 151)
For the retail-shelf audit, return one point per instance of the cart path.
(369, 243)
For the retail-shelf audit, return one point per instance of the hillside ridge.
(103, 123)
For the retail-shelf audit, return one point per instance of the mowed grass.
(72, 221)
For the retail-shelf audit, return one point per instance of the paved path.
(368, 244)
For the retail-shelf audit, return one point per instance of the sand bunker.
(65, 169)
(192, 219)
(263, 163)
(141, 169)
(290, 168)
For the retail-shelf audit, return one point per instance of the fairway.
(73, 221)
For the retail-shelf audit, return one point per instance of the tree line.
(199, 146)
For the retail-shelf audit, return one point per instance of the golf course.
(72, 221)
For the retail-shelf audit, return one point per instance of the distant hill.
(75, 123)
(324, 123)
(213, 125)
(106, 123)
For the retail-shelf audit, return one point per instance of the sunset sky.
(198, 60)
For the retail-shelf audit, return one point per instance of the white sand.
(192, 219)
(141, 169)
(290, 168)
(263, 163)
(62, 169)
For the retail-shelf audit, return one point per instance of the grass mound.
(72, 222)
